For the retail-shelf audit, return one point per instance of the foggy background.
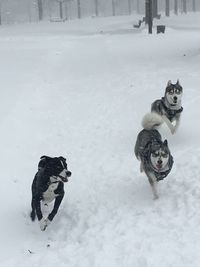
(19, 11)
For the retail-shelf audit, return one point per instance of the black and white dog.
(169, 106)
(154, 155)
(48, 185)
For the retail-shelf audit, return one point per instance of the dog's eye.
(155, 154)
(171, 92)
(177, 91)
(164, 155)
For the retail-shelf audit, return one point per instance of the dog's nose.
(175, 98)
(159, 161)
(68, 173)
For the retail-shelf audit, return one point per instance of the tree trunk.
(129, 7)
(138, 6)
(113, 8)
(149, 15)
(167, 8)
(194, 5)
(184, 6)
(40, 9)
(0, 14)
(96, 8)
(176, 7)
(155, 8)
(79, 8)
(61, 9)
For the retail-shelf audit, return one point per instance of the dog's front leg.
(57, 203)
(178, 118)
(169, 124)
(44, 223)
(153, 182)
(38, 208)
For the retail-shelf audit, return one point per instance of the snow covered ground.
(80, 89)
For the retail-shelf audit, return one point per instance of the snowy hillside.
(80, 89)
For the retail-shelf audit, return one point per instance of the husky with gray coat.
(169, 106)
(154, 154)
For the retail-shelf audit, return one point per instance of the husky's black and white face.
(174, 93)
(160, 156)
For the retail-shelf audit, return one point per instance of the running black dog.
(48, 185)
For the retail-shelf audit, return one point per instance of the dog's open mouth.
(159, 166)
(64, 179)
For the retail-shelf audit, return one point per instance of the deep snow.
(79, 89)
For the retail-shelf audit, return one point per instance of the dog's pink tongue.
(159, 167)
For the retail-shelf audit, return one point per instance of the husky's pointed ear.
(178, 83)
(165, 142)
(169, 83)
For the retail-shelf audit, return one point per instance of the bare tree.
(176, 7)
(0, 13)
(149, 15)
(138, 6)
(113, 8)
(155, 8)
(40, 9)
(96, 2)
(79, 8)
(167, 8)
(184, 3)
(61, 5)
(129, 7)
(194, 5)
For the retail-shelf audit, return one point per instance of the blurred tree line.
(14, 11)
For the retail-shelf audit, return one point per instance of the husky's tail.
(151, 121)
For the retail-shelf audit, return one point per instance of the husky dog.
(169, 106)
(48, 186)
(154, 154)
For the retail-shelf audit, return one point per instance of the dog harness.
(171, 113)
(160, 175)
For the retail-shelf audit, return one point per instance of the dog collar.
(171, 113)
(146, 157)
(161, 175)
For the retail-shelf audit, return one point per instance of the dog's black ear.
(42, 162)
(43, 157)
(62, 158)
(165, 143)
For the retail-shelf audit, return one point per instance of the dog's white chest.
(49, 195)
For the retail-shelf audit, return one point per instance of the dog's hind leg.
(177, 123)
(169, 124)
(141, 167)
(33, 213)
(153, 182)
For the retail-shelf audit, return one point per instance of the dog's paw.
(156, 196)
(44, 223)
(173, 130)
